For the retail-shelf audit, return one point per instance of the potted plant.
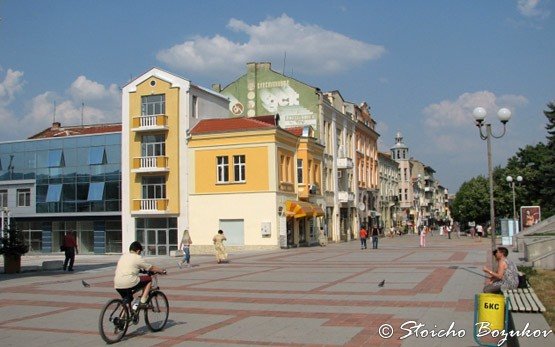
(12, 247)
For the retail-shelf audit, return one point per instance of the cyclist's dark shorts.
(127, 293)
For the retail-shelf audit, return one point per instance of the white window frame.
(25, 194)
(239, 168)
(222, 168)
(3, 198)
(300, 171)
(153, 147)
(153, 108)
(153, 190)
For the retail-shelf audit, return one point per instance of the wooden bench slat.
(540, 305)
(524, 300)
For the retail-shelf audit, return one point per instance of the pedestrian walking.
(363, 234)
(423, 237)
(69, 246)
(221, 254)
(375, 233)
(185, 247)
(322, 239)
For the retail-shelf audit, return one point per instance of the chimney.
(56, 126)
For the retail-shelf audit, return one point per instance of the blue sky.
(422, 66)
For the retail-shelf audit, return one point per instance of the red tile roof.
(233, 124)
(58, 131)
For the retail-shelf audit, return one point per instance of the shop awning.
(302, 209)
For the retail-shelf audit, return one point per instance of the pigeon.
(381, 284)
(85, 284)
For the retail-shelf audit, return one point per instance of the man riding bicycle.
(127, 280)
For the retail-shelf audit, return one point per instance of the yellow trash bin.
(491, 309)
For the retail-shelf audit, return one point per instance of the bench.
(524, 300)
(526, 315)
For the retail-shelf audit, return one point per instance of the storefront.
(302, 223)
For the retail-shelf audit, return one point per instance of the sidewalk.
(326, 296)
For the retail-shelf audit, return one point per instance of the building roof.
(56, 130)
(218, 125)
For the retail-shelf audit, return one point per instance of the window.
(299, 171)
(239, 168)
(153, 146)
(405, 176)
(56, 158)
(4, 198)
(23, 197)
(96, 191)
(97, 156)
(154, 187)
(194, 112)
(152, 105)
(223, 169)
(406, 194)
(54, 193)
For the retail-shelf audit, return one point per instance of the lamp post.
(504, 115)
(512, 184)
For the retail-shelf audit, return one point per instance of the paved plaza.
(318, 296)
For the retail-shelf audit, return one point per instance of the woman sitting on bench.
(506, 276)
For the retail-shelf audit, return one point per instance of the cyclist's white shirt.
(127, 271)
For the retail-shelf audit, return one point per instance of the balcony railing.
(344, 163)
(344, 196)
(150, 164)
(148, 123)
(150, 205)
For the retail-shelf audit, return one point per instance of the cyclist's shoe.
(142, 306)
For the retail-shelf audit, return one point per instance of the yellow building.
(259, 183)
(158, 110)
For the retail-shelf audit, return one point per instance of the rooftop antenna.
(54, 120)
(82, 109)
(284, 59)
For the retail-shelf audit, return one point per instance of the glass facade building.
(55, 184)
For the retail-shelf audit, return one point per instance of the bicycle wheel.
(113, 321)
(157, 312)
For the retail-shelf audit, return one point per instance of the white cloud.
(449, 114)
(11, 85)
(102, 105)
(310, 49)
(531, 9)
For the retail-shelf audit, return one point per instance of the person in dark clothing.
(375, 234)
(70, 249)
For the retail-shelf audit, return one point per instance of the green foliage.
(13, 242)
(471, 203)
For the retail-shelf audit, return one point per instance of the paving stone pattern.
(318, 296)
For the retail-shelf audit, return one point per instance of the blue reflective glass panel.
(53, 194)
(55, 158)
(96, 191)
(97, 156)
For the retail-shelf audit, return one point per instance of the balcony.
(149, 123)
(344, 163)
(150, 206)
(345, 197)
(150, 164)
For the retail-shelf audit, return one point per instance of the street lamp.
(512, 184)
(504, 115)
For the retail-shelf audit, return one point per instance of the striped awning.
(302, 209)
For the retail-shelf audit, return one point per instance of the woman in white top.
(185, 245)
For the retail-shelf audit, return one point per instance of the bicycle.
(117, 314)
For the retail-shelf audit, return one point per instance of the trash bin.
(491, 309)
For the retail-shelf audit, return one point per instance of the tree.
(471, 203)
